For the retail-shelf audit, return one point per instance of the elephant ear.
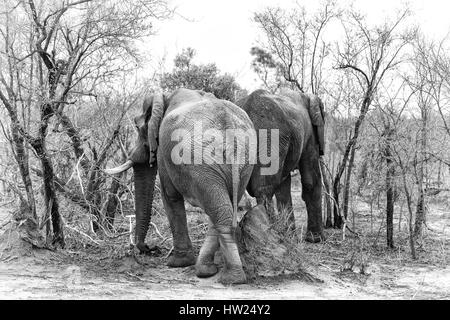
(317, 115)
(316, 112)
(157, 113)
(142, 120)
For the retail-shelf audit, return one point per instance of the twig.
(117, 235)
(156, 230)
(164, 240)
(79, 176)
(6, 203)
(168, 254)
(83, 234)
(5, 224)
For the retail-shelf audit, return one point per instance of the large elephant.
(189, 131)
(299, 119)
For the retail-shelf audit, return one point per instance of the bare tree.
(79, 50)
(369, 53)
(295, 42)
(431, 85)
(391, 104)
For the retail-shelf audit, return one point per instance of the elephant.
(173, 129)
(300, 120)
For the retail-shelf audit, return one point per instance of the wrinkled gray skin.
(292, 113)
(208, 186)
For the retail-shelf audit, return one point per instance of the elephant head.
(143, 161)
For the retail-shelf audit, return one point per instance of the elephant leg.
(182, 255)
(205, 266)
(233, 273)
(284, 202)
(221, 216)
(312, 195)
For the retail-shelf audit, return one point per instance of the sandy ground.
(29, 280)
(93, 275)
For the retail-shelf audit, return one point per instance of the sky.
(222, 31)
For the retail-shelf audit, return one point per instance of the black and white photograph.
(224, 150)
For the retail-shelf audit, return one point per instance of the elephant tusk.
(124, 167)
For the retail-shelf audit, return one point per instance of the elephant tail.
(235, 182)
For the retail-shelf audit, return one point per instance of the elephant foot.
(181, 259)
(233, 275)
(145, 249)
(206, 270)
(315, 237)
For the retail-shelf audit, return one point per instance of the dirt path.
(95, 273)
(31, 280)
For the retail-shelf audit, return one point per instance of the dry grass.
(272, 250)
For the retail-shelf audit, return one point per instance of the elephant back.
(190, 110)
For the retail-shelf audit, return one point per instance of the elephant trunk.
(144, 180)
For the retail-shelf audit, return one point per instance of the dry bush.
(271, 250)
(362, 254)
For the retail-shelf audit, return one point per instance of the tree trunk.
(390, 171)
(93, 199)
(20, 154)
(328, 202)
(112, 202)
(338, 223)
(420, 210)
(23, 163)
(420, 213)
(51, 201)
(410, 223)
(348, 182)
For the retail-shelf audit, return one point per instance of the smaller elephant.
(296, 122)
(184, 135)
